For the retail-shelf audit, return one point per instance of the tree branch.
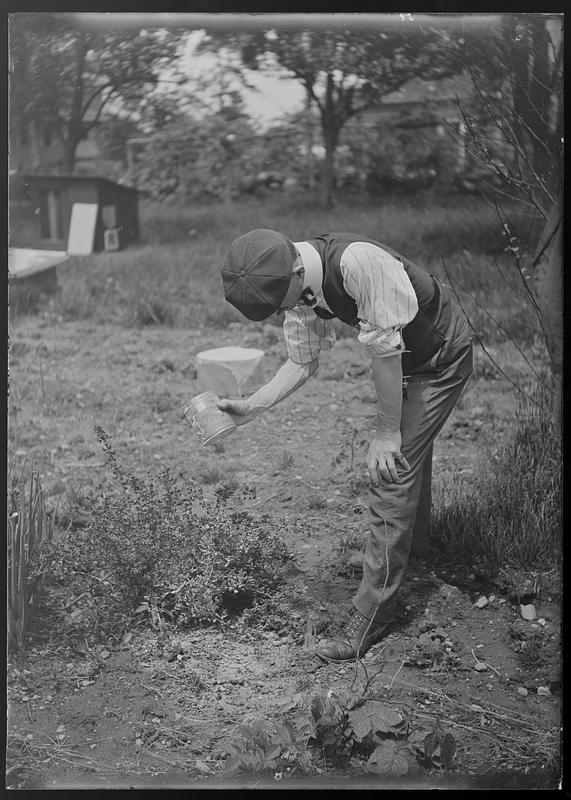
(486, 351)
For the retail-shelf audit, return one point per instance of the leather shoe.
(359, 635)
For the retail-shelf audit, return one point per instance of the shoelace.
(356, 621)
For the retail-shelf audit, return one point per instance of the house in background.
(36, 147)
(438, 101)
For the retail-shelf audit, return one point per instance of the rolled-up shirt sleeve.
(306, 334)
(385, 298)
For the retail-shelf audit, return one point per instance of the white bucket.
(229, 371)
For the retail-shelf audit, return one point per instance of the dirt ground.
(155, 710)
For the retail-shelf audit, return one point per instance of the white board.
(81, 237)
(23, 262)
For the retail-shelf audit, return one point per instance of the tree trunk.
(548, 292)
(309, 143)
(327, 177)
(74, 133)
(330, 127)
(69, 148)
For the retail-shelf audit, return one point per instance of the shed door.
(51, 214)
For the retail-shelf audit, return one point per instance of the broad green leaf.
(290, 730)
(392, 758)
(447, 750)
(360, 722)
(384, 719)
(431, 743)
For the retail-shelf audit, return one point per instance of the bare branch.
(485, 350)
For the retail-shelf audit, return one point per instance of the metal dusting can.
(209, 422)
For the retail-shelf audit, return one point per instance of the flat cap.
(257, 272)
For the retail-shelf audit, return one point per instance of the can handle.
(197, 427)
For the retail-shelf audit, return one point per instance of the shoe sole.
(339, 660)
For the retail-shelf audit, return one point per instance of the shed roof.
(74, 178)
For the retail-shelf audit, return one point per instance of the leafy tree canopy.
(68, 74)
(345, 71)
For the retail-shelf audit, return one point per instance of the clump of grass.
(29, 527)
(316, 503)
(149, 310)
(532, 654)
(212, 474)
(285, 461)
(510, 515)
(25, 298)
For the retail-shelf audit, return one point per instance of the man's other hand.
(382, 458)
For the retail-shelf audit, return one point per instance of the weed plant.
(156, 548)
(511, 515)
(341, 730)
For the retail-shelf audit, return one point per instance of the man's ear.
(298, 267)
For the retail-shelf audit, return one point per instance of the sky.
(272, 98)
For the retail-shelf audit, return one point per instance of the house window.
(51, 221)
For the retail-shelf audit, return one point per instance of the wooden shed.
(114, 221)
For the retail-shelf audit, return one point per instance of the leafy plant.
(157, 548)
(435, 749)
(341, 728)
(278, 748)
(347, 726)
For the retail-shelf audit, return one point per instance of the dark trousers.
(399, 513)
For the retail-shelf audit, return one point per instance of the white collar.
(311, 259)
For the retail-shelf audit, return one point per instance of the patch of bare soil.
(157, 708)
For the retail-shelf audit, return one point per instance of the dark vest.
(421, 338)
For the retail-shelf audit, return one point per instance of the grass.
(172, 276)
(29, 527)
(510, 516)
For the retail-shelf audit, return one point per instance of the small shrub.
(341, 730)
(276, 748)
(156, 547)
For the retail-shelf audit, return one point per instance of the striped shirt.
(384, 295)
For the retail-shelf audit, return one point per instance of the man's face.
(295, 287)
